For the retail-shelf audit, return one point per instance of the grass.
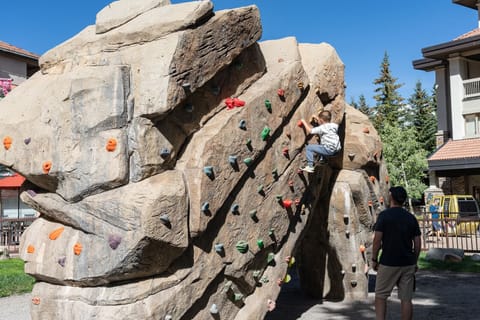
(466, 265)
(13, 279)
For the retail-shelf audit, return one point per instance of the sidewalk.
(439, 296)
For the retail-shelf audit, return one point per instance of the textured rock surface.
(156, 199)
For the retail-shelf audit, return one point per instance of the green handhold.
(256, 274)
(270, 257)
(260, 243)
(227, 287)
(242, 246)
(268, 105)
(265, 133)
(260, 188)
(253, 213)
(279, 197)
(271, 233)
(264, 279)
(275, 173)
(237, 297)
(248, 161)
(249, 143)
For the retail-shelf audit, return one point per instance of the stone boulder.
(162, 151)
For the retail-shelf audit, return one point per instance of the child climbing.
(329, 139)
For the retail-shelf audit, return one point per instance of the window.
(472, 125)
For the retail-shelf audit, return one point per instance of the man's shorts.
(389, 277)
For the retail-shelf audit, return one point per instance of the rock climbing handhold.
(168, 317)
(235, 102)
(208, 170)
(265, 133)
(242, 246)
(260, 244)
(362, 248)
(260, 188)
(214, 309)
(264, 279)
(7, 142)
(287, 278)
(253, 214)
(353, 283)
(300, 172)
(31, 193)
(77, 249)
(271, 233)
(279, 197)
(205, 207)
(248, 161)
(61, 261)
(354, 267)
(300, 123)
(290, 183)
(271, 305)
(47, 166)
(268, 105)
(372, 179)
(366, 130)
(285, 152)
(346, 218)
(370, 203)
(30, 249)
(27, 140)
(232, 160)
(270, 258)
(234, 208)
(165, 219)
(381, 200)
(242, 125)
(219, 248)
(297, 201)
(164, 153)
(387, 179)
(281, 93)
(256, 274)
(347, 233)
(287, 203)
(186, 86)
(237, 297)
(291, 261)
(188, 108)
(111, 145)
(114, 241)
(56, 233)
(36, 301)
(351, 156)
(300, 85)
(342, 272)
(275, 174)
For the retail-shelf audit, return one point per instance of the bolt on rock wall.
(162, 150)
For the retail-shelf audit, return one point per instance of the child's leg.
(313, 149)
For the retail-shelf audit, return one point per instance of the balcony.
(471, 88)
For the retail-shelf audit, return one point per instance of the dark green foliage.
(363, 107)
(389, 103)
(425, 119)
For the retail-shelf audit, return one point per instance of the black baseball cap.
(399, 194)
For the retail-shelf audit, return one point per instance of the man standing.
(398, 235)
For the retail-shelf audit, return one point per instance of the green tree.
(363, 106)
(406, 159)
(424, 117)
(389, 103)
(353, 103)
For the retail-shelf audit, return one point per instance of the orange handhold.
(381, 200)
(372, 179)
(366, 130)
(281, 92)
(77, 249)
(370, 203)
(47, 165)
(55, 233)
(36, 301)
(111, 145)
(30, 249)
(7, 142)
(362, 248)
(387, 179)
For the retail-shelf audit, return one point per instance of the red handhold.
(290, 183)
(287, 203)
(281, 92)
(285, 151)
(370, 203)
(235, 102)
(297, 201)
(300, 123)
(300, 172)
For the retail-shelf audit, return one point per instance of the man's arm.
(377, 243)
(417, 245)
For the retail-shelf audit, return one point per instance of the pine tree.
(363, 107)
(389, 103)
(424, 117)
(353, 103)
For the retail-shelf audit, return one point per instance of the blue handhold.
(164, 152)
(205, 207)
(234, 208)
(219, 248)
(232, 160)
(242, 124)
(165, 219)
(188, 108)
(208, 171)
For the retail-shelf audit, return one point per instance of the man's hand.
(375, 265)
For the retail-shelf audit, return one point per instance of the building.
(454, 167)
(16, 65)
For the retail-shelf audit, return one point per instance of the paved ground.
(439, 296)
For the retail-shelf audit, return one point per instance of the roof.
(472, 4)
(6, 47)
(456, 155)
(14, 181)
(474, 32)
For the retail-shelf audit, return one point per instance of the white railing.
(471, 88)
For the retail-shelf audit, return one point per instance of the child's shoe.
(308, 168)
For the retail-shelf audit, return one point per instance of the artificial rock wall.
(162, 150)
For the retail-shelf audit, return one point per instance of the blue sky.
(360, 31)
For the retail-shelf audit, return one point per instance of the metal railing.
(471, 88)
(11, 229)
(454, 232)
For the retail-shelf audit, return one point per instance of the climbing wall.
(162, 149)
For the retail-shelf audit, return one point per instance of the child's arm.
(307, 126)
